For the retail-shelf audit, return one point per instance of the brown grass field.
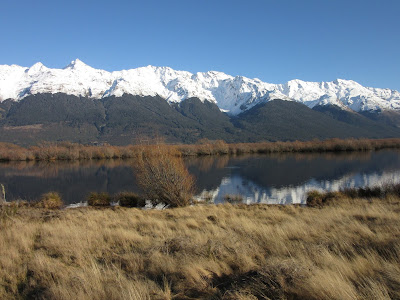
(69, 151)
(345, 249)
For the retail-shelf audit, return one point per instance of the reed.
(69, 151)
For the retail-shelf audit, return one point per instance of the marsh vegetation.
(69, 151)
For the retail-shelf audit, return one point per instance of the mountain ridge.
(233, 95)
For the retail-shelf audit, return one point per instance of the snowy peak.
(341, 92)
(77, 64)
(36, 68)
(232, 94)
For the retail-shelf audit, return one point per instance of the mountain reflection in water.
(278, 178)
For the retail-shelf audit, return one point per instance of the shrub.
(373, 192)
(50, 200)
(233, 198)
(99, 199)
(370, 192)
(163, 177)
(128, 199)
(393, 189)
(350, 192)
(316, 198)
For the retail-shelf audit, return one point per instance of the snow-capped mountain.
(231, 94)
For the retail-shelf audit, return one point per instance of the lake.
(273, 179)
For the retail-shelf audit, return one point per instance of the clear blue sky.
(279, 40)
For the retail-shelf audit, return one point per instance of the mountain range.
(83, 104)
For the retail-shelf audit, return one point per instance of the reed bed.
(349, 249)
(70, 151)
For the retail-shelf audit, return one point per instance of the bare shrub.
(163, 177)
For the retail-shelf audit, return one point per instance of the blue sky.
(276, 41)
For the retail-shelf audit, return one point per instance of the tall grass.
(2, 194)
(348, 250)
(69, 151)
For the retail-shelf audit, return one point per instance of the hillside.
(134, 119)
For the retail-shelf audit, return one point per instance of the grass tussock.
(50, 200)
(347, 250)
(70, 151)
(99, 199)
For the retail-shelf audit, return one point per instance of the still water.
(277, 178)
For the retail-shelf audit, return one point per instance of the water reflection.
(278, 178)
(74, 180)
(286, 178)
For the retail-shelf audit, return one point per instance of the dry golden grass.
(350, 250)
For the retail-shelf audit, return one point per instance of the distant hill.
(133, 119)
(288, 120)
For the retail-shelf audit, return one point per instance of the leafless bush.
(163, 177)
